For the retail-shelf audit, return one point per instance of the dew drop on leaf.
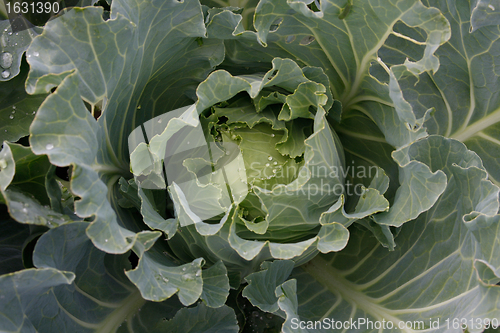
(6, 60)
(11, 116)
(3, 163)
(5, 74)
(270, 158)
(187, 277)
(49, 146)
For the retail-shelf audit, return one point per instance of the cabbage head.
(252, 169)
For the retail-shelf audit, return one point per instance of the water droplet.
(273, 135)
(25, 211)
(10, 33)
(159, 121)
(17, 33)
(33, 112)
(233, 137)
(3, 163)
(187, 277)
(267, 164)
(11, 116)
(270, 158)
(6, 60)
(4, 40)
(49, 146)
(13, 108)
(198, 273)
(275, 163)
(5, 74)
(105, 241)
(245, 252)
(274, 170)
(491, 7)
(36, 54)
(183, 269)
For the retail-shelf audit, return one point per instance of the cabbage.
(226, 166)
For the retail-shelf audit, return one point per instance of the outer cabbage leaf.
(454, 279)
(18, 108)
(23, 180)
(13, 45)
(109, 64)
(464, 92)
(85, 290)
